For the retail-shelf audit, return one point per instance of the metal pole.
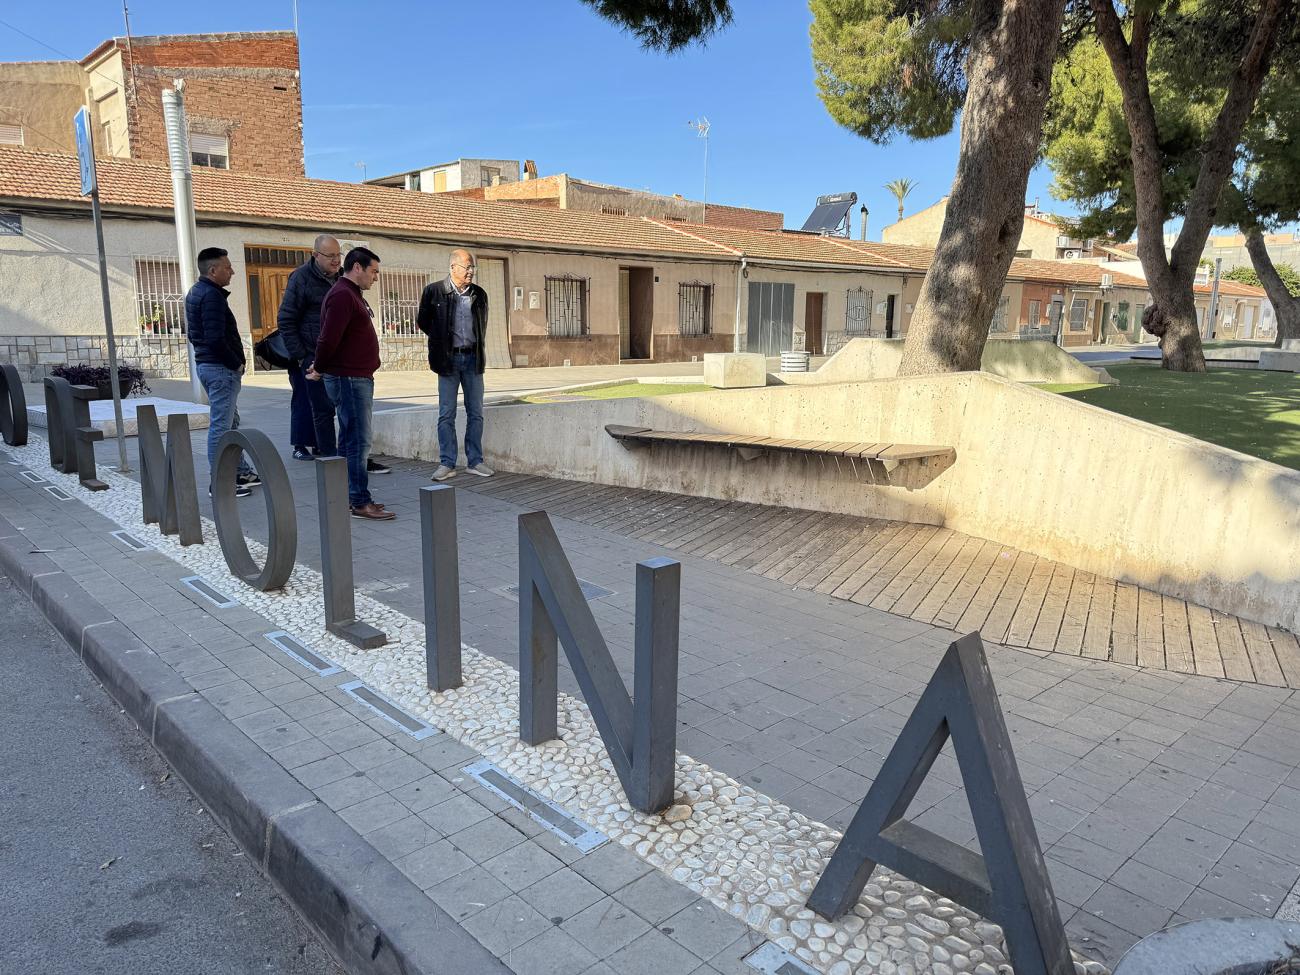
(123, 465)
(441, 587)
(1214, 298)
(178, 152)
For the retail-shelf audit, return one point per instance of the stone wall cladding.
(403, 353)
(36, 356)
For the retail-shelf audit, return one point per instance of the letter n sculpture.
(1009, 883)
(169, 496)
(640, 732)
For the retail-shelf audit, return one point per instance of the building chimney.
(863, 211)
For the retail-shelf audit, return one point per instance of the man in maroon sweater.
(347, 356)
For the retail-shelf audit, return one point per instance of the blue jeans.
(464, 375)
(222, 386)
(302, 432)
(354, 397)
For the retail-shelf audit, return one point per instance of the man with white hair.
(453, 314)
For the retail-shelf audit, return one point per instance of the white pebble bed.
(752, 856)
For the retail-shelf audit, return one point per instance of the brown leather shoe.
(373, 512)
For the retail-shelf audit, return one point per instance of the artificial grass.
(1257, 413)
(621, 391)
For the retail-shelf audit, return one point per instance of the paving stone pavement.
(1157, 796)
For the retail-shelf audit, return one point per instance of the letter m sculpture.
(168, 495)
(639, 732)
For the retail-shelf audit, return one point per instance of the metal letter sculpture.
(281, 515)
(441, 586)
(640, 733)
(72, 438)
(13, 407)
(1009, 883)
(336, 556)
(169, 497)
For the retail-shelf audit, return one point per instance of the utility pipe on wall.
(178, 151)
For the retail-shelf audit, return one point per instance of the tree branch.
(1286, 308)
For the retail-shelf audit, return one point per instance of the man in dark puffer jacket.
(218, 354)
(311, 414)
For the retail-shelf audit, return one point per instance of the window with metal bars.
(857, 311)
(695, 309)
(159, 300)
(399, 298)
(1078, 314)
(566, 307)
(610, 211)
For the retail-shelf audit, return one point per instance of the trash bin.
(796, 361)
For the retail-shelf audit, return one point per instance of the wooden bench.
(751, 447)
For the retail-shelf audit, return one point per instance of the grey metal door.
(771, 317)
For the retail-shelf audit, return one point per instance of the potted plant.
(129, 379)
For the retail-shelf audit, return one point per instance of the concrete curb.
(372, 916)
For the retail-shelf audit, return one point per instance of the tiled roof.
(25, 174)
(28, 175)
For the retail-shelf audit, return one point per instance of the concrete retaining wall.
(1033, 470)
(1026, 362)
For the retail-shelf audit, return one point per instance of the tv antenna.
(701, 127)
(361, 166)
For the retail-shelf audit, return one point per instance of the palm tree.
(900, 188)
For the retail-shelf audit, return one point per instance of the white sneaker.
(481, 469)
(444, 473)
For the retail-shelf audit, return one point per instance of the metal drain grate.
(385, 708)
(545, 812)
(771, 960)
(304, 654)
(31, 477)
(208, 592)
(58, 494)
(589, 589)
(129, 540)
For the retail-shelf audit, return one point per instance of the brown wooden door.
(266, 287)
(814, 304)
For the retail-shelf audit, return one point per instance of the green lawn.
(1257, 413)
(621, 391)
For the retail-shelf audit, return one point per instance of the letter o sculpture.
(281, 517)
(13, 407)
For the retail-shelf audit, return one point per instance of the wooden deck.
(929, 574)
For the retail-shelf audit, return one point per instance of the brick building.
(243, 98)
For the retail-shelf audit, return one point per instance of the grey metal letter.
(336, 556)
(1009, 884)
(641, 739)
(281, 515)
(13, 407)
(168, 494)
(54, 421)
(441, 586)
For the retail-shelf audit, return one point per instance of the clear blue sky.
(549, 81)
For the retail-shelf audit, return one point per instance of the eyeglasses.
(467, 268)
(328, 257)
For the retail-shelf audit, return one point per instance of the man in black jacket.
(453, 314)
(311, 414)
(218, 355)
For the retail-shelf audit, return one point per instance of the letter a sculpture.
(1009, 883)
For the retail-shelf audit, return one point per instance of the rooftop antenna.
(701, 126)
(361, 166)
(295, 18)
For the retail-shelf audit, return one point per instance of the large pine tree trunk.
(1008, 76)
(1285, 307)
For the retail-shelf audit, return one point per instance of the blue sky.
(553, 82)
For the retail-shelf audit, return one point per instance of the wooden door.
(491, 278)
(266, 287)
(813, 307)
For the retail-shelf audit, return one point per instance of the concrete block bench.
(748, 448)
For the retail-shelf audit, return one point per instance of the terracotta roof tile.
(25, 174)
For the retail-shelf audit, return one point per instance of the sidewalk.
(1157, 796)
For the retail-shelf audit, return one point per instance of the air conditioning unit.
(1108, 280)
(1071, 255)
